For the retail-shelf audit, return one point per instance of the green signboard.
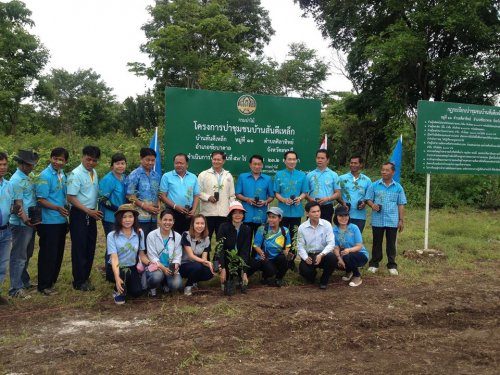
(198, 122)
(457, 138)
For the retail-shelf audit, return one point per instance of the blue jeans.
(158, 278)
(5, 248)
(23, 243)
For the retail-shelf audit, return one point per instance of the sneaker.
(165, 289)
(372, 269)
(48, 292)
(188, 291)
(30, 286)
(3, 301)
(322, 286)
(21, 294)
(152, 292)
(119, 298)
(195, 285)
(347, 277)
(393, 272)
(356, 281)
(86, 287)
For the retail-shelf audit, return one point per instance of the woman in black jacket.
(235, 235)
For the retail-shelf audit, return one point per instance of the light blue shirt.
(180, 190)
(250, 187)
(6, 200)
(52, 187)
(82, 187)
(349, 238)
(319, 239)
(113, 189)
(356, 189)
(273, 243)
(125, 247)
(288, 183)
(23, 190)
(322, 183)
(390, 197)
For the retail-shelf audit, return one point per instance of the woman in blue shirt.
(111, 196)
(349, 249)
(124, 244)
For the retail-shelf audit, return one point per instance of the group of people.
(159, 227)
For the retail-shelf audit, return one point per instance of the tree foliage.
(77, 102)
(399, 52)
(22, 58)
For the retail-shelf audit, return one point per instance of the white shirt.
(319, 239)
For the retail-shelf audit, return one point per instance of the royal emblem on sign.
(246, 104)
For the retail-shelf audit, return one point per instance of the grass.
(469, 238)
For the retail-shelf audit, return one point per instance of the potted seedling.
(35, 214)
(236, 265)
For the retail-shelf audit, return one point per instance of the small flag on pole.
(397, 158)
(156, 146)
(324, 144)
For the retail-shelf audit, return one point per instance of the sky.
(106, 34)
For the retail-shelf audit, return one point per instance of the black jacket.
(243, 238)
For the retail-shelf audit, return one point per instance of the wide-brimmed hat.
(127, 207)
(26, 156)
(236, 206)
(275, 211)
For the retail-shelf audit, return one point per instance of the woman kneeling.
(123, 245)
(163, 257)
(349, 248)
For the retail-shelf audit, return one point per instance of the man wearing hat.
(22, 227)
(271, 243)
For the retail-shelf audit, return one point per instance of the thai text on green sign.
(457, 138)
(198, 122)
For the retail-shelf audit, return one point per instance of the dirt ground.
(384, 326)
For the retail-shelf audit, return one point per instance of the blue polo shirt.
(357, 189)
(288, 183)
(6, 200)
(114, 190)
(390, 197)
(23, 190)
(250, 187)
(126, 247)
(273, 243)
(83, 187)
(322, 183)
(180, 190)
(52, 187)
(349, 238)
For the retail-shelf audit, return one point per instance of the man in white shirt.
(315, 244)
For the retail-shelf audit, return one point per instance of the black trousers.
(132, 280)
(390, 246)
(181, 222)
(147, 227)
(52, 241)
(276, 267)
(328, 264)
(83, 230)
(108, 227)
(360, 223)
(213, 223)
(291, 223)
(327, 212)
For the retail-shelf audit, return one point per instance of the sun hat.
(127, 207)
(236, 206)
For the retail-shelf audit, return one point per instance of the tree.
(187, 40)
(140, 112)
(22, 58)
(79, 102)
(400, 52)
